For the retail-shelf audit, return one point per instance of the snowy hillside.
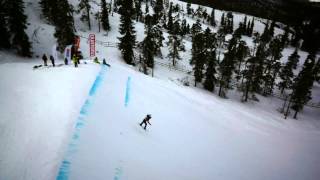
(67, 123)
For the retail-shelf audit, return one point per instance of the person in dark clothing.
(145, 121)
(65, 61)
(52, 60)
(105, 63)
(45, 59)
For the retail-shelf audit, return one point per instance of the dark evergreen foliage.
(105, 16)
(17, 21)
(85, 7)
(128, 39)
(4, 38)
(302, 85)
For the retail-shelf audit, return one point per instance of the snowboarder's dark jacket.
(146, 120)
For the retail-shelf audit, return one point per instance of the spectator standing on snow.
(45, 59)
(52, 60)
(145, 121)
(105, 63)
(75, 61)
(96, 60)
(65, 61)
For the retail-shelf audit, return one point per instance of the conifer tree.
(170, 19)
(260, 57)
(301, 91)
(252, 27)
(227, 67)
(196, 28)
(242, 52)
(4, 38)
(249, 76)
(149, 47)
(158, 10)
(176, 29)
(138, 12)
(105, 16)
(222, 22)
(213, 18)
(273, 65)
(84, 7)
(17, 21)
(265, 37)
(189, 10)
(286, 73)
(64, 24)
(175, 44)
(285, 36)
(48, 8)
(198, 56)
(128, 39)
(210, 75)
(271, 30)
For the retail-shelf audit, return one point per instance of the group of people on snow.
(75, 60)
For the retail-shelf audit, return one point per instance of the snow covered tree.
(17, 21)
(128, 39)
(286, 72)
(4, 38)
(301, 91)
(64, 24)
(175, 44)
(176, 29)
(84, 7)
(258, 78)
(249, 75)
(158, 10)
(149, 48)
(105, 16)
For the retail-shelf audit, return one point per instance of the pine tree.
(138, 12)
(128, 39)
(4, 38)
(176, 29)
(48, 8)
(210, 75)
(17, 21)
(260, 57)
(196, 28)
(252, 27)
(189, 10)
(158, 10)
(273, 65)
(105, 16)
(285, 36)
(175, 45)
(271, 30)
(198, 59)
(302, 85)
(286, 73)
(227, 67)
(149, 47)
(222, 22)
(241, 53)
(249, 75)
(85, 7)
(265, 37)
(170, 19)
(213, 18)
(64, 24)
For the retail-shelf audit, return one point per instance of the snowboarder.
(145, 121)
(52, 60)
(105, 63)
(45, 59)
(75, 61)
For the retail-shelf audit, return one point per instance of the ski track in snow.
(64, 169)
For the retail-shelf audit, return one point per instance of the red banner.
(92, 41)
